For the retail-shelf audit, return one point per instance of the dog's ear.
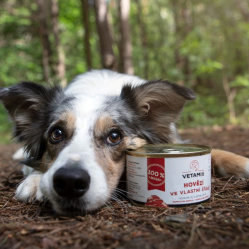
(28, 106)
(158, 105)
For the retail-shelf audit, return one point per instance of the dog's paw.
(29, 190)
(229, 164)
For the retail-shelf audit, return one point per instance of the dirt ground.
(221, 222)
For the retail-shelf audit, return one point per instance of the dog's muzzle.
(71, 182)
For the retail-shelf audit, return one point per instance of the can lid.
(170, 150)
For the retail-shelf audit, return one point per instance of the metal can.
(169, 174)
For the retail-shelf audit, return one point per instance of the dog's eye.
(56, 135)
(114, 137)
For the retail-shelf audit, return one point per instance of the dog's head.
(79, 142)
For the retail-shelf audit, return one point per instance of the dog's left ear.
(29, 106)
(157, 104)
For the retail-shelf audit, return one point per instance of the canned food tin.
(169, 174)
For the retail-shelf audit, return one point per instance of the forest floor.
(220, 222)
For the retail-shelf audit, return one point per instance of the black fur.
(31, 107)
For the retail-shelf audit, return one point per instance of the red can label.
(156, 173)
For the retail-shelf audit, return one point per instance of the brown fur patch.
(67, 122)
(102, 124)
(68, 119)
(46, 162)
(112, 158)
(106, 155)
(135, 143)
(113, 170)
(228, 164)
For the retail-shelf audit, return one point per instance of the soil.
(220, 222)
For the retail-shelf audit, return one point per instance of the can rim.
(200, 150)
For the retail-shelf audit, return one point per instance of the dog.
(75, 139)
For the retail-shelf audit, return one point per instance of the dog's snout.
(71, 182)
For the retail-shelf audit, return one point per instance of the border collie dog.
(75, 138)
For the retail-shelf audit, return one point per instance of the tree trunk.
(143, 35)
(182, 20)
(188, 26)
(44, 36)
(108, 58)
(125, 46)
(86, 23)
(160, 52)
(60, 65)
(177, 30)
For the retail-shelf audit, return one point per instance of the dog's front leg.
(29, 190)
(228, 164)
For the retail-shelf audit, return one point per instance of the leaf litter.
(220, 222)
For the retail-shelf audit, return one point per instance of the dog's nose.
(71, 182)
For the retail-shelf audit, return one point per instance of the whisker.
(121, 191)
(124, 194)
(120, 203)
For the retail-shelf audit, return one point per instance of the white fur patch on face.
(104, 81)
(97, 194)
(81, 150)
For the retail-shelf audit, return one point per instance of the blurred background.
(201, 44)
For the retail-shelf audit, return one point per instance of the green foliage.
(240, 81)
(201, 112)
(5, 131)
(204, 42)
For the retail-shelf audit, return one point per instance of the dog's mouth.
(70, 207)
